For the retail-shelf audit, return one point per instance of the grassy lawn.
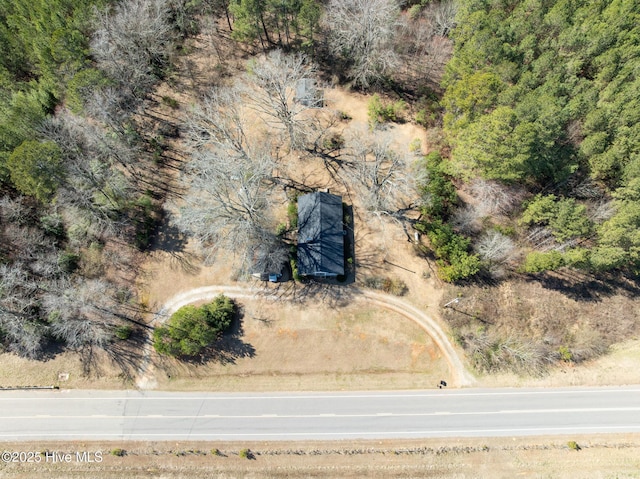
(312, 347)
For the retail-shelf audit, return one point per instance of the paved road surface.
(39, 415)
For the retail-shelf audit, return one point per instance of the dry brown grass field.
(535, 457)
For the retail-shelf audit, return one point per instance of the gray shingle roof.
(320, 235)
(308, 94)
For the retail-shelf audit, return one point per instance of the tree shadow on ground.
(128, 354)
(307, 291)
(169, 239)
(588, 287)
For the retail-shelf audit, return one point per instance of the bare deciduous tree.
(30, 247)
(13, 210)
(274, 80)
(379, 173)
(443, 15)
(494, 198)
(19, 326)
(94, 182)
(113, 106)
(362, 32)
(217, 121)
(466, 220)
(601, 211)
(541, 238)
(229, 180)
(423, 49)
(495, 249)
(133, 42)
(228, 204)
(82, 314)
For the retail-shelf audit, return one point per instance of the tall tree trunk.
(264, 28)
(226, 12)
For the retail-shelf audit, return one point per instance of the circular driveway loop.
(459, 374)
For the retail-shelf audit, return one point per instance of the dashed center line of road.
(448, 394)
(325, 415)
(381, 434)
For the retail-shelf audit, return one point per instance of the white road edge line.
(382, 434)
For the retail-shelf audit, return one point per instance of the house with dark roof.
(320, 235)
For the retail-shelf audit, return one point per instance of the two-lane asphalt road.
(39, 415)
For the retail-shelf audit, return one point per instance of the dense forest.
(542, 100)
(532, 129)
(75, 196)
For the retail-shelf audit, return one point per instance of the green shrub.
(191, 329)
(36, 169)
(459, 267)
(375, 110)
(566, 218)
(158, 146)
(578, 258)
(170, 102)
(428, 111)
(438, 192)
(53, 225)
(281, 229)
(414, 11)
(398, 110)
(68, 262)
(118, 452)
(380, 112)
(451, 249)
(396, 287)
(565, 354)
(294, 270)
(335, 141)
(292, 213)
(220, 312)
(537, 262)
(143, 212)
(124, 332)
(505, 230)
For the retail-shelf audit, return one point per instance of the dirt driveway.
(457, 375)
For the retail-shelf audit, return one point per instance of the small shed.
(308, 93)
(320, 235)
